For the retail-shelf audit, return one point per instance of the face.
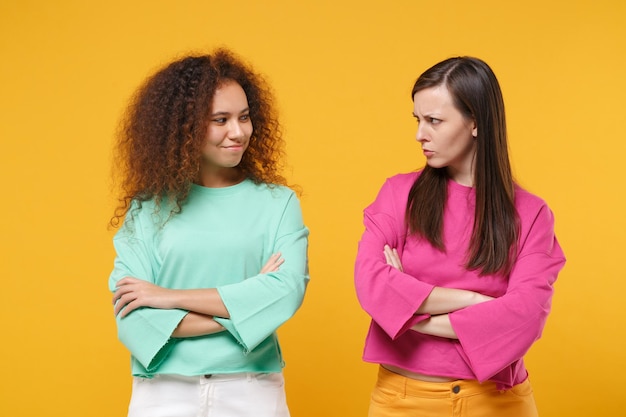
(446, 135)
(228, 133)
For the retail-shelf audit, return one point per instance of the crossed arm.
(439, 303)
(202, 304)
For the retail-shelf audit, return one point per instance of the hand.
(273, 263)
(392, 257)
(132, 293)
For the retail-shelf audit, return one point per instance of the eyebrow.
(225, 113)
(434, 115)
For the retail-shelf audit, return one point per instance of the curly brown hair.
(163, 130)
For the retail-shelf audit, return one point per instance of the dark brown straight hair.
(476, 94)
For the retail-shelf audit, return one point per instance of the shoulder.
(536, 224)
(277, 204)
(533, 212)
(401, 183)
(272, 191)
(404, 179)
(393, 194)
(141, 218)
(271, 195)
(528, 204)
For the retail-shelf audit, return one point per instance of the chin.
(233, 164)
(435, 165)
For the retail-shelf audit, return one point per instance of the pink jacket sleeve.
(389, 296)
(495, 334)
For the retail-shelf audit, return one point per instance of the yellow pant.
(398, 396)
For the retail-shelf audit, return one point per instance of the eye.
(244, 117)
(434, 120)
(219, 120)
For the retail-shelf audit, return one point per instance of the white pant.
(224, 395)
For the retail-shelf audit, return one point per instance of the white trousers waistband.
(219, 395)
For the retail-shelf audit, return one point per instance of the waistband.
(416, 388)
(210, 377)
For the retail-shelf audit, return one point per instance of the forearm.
(436, 326)
(194, 324)
(203, 301)
(132, 293)
(440, 300)
(208, 301)
(446, 300)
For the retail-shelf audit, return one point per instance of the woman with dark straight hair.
(457, 263)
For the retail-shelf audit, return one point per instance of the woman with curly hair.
(212, 253)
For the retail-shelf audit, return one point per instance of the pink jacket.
(493, 336)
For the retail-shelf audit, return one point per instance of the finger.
(273, 258)
(127, 309)
(387, 257)
(270, 268)
(272, 263)
(120, 291)
(397, 258)
(116, 296)
(123, 302)
(277, 265)
(118, 307)
(132, 306)
(121, 311)
(392, 257)
(394, 261)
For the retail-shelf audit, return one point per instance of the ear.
(474, 130)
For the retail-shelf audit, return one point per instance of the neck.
(463, 178)
(220, 178)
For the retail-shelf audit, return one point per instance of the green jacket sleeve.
(146, 332)
(260, 304)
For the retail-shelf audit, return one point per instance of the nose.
(235, 131)
(420, 135)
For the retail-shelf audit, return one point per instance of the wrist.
(480, 298)
(174, 298)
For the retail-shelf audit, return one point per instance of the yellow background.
(342, 72)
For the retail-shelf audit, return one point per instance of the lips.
(234, 147)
